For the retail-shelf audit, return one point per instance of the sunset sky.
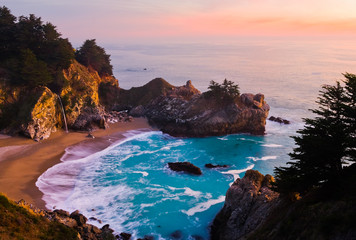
(138, 20)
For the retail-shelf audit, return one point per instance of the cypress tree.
(326, 142)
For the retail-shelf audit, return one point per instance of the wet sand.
(22, 160)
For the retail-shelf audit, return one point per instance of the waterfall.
(64, 114)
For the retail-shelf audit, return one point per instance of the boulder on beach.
(184, 167)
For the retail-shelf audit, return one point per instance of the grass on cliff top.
(20, 223)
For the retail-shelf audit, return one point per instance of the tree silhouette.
(95, 57)
(326, 142)
(225, 92)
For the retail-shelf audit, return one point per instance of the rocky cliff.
(253, 211)
(185, 112)
(36, 113)
(248, 203)
(179, 111)
(20, 220)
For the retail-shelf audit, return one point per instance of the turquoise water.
(129, 186)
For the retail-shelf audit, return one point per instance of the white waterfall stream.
(64, 114)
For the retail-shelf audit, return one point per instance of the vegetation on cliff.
(93, 56)
(32, 53)
(36, 67)
(326, 145)
(17, 222)
(224, 93)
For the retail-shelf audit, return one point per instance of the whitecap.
(236, 173)
(201, 207)
(57, 182)
(265, 158)
(144, 174)
(145, 205)
(223, 138)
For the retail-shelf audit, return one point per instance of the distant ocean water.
(129, 185)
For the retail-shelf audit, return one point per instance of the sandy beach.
(22, 160)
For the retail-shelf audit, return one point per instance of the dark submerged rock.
(184, 167)
(209, 165)
(176, 234)
(197, 237)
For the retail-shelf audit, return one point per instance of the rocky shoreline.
(248, 203)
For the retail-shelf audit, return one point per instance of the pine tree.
(325, 142)
(350, 115)
(91, 55)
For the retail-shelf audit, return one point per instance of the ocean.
(129, 186)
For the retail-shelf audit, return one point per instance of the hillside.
(253, 211)
(17, 222)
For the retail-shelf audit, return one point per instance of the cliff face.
(185, 112)
(179, 111)
(253, 211)
(80, 97)
(37, 112)
(43, 117)
(248, 203)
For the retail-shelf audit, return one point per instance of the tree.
(7, 30)
(29, 38)
(34, 72)
(325, 142)
(350, 114)
(225, 92)
(95, 57)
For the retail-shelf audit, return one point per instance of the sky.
(154, 20)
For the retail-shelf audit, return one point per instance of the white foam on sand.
(3, 136)
(201, 207)
(12, 150)
(57, 183)
(236, 173)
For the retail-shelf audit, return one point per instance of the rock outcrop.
(279, 120)
(36, 113)
(184, 112)
(43, 117)
(86, 97)
(210, 165)
(186, 167)
(248, 203)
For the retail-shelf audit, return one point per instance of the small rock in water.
(184, 167)
(209, 165)
(146, 237)
(176, 234)
(197, 237)
(279, 120)
(125, 236)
